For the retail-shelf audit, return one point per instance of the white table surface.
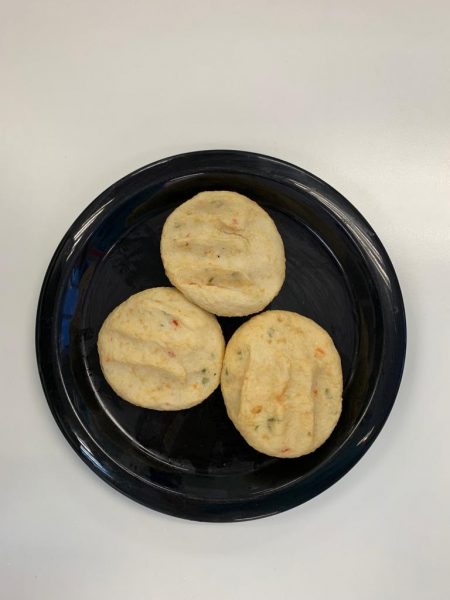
(356, 92)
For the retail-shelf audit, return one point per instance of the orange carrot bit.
(315, 391)
(171, 353)
(286, 450)
(320, 351)
(256, 410)
(174, 322)
(234, 221)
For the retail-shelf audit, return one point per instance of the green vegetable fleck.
(270, 331)
(204, 370)
(270, 422)
(211, 279)
(328, 393)
(205, 380)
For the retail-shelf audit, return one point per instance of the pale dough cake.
(224, 252)
(158, 350)
(282, 383)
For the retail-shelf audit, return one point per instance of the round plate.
(193, 463)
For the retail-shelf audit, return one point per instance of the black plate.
(193, 463)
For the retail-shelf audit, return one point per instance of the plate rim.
(183, 506)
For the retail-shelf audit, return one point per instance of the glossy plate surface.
(193, 463)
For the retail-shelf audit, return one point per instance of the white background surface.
(356, 92)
